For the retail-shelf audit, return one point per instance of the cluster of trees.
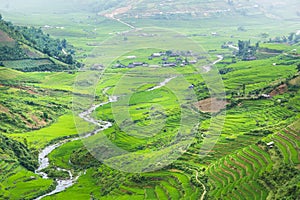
(37, 39)
(283, 181)
(47, 68)
(46, 44)
(83, 159)
(12, 53)
(109, 179)
(18, 151)
(246, 50)
(291, 39)
(225, 70)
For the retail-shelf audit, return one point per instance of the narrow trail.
(207, 68)
(122, 22)
(162, 83)
(203, 186)
(233, 47)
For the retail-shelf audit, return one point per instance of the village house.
(174, 55)
(131, 65)
(271, 144)
(179, 59)
(192, 86)
(137, 64)
(131, 57)
(192, 62)
(166, 64)
(266, 96)
(251, 58)
(156, 55)
(214, 33)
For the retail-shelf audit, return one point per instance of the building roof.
(270, 143)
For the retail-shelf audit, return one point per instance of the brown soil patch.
(118, 11)
(39, 123)
(211, 105)
(31, 53)
(279, 90)
(175, 170)
(4, 109)
(29, 90)
(28, 124)
(295, 81)
(4, 37)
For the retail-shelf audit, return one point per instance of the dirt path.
(203, 186)
(117, 12)
(233, 47)
(207, 68)
(162, 84)
(125, 23)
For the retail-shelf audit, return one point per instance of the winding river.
(63, 184)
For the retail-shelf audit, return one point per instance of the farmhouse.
(270, 144)
(131, 65)
(266, 96)
(192, 86)
(174, 55)
(119, 65)
(192, 62)
(169, 64)
(156, 55)
(131, 57)
(250, 58)
(137, 64)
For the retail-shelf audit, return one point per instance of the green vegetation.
(59, 51)
(12, 53)
(246, 51)
(19, 183)
(15, 151)
(26, 108)
(256, 155)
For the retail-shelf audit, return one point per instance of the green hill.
(21, 44)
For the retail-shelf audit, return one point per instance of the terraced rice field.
(170, 185)
(28, 63)
(16, 181)
(235, 176)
